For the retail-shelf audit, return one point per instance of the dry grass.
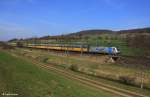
(88, 66)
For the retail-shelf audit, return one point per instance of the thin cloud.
(109, 2)
(12, 28)
(113, 3)
(30, 1)
(15, 2)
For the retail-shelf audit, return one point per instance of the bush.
(42, 59)
(4, 45)
(127, 80)
(74, 67)
(45, 60)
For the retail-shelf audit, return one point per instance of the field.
(21, 77)
(129, 72)
(110, 73)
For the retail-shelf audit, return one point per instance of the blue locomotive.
(106, 50)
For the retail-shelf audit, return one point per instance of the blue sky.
(35, 18)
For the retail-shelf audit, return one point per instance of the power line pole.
(142, 79)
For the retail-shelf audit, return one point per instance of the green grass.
(27, 80)
(104, 71)
(111, 71)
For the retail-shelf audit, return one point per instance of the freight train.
(75, 48)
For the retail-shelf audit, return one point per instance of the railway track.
(89, 82)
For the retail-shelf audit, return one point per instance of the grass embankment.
(27, 80)
(107, 73)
